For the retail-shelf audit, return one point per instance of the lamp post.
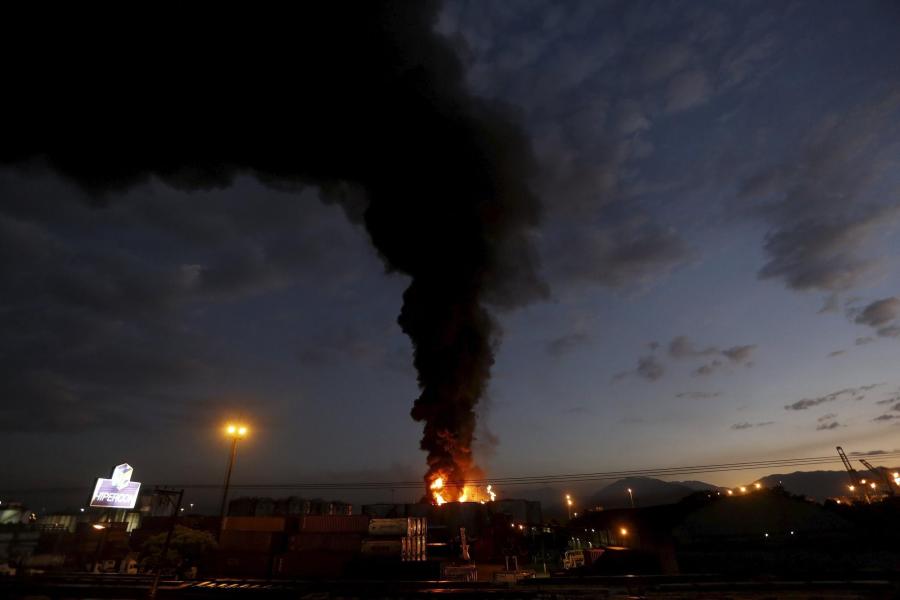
(631, 497)
(236, 432)
(100, 544)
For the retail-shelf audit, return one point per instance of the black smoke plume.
(346, 96)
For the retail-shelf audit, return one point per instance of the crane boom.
(880, 473)
(850, 470)
(855, 486)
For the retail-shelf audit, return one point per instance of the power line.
(513, 481)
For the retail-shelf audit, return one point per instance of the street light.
(631, 497)
(569, 504)
(236, 432)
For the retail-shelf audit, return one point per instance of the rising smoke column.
(340, 95)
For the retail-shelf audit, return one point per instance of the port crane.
(881, 474)
(854, 477)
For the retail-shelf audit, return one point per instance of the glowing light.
(98, 526)
(872, 485)
(730, 492)
(743, 489)
(757, 485)
(863, 481)
(464, 496)
(851, 487)
(623, 531)
(491, 494)
(236, 430)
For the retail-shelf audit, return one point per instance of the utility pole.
(168, 494)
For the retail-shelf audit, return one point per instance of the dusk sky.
(717, 265)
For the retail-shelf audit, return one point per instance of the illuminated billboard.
(117, 492)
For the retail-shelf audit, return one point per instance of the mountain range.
(647, 491)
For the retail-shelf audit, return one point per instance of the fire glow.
(467, 493)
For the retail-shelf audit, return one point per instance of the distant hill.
(647, 492)
(817, 485)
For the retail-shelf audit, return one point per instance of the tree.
(186, 549)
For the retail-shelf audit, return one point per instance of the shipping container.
(292, 506)
(413, 548)
(250, 541)
(407, 526)
(382, 547)
(345, 542)
(265, 507)
(254, 523)
(335, 524)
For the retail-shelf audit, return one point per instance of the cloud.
(818, 200)
(862, 341)
(880, 312)
(698, 395)
(856, 393)
(886, 417)
(831, 304)
(681, 347)
(746, 425)
(116, 334)
(891, 331)
(566, 343)
(619, 252)
(649, 368)
(687, 90)
(826, 422)
(708, 368)
(836, 353)
(739, 353)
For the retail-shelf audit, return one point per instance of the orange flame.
(436, 486)
(467, 493)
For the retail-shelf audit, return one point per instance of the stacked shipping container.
(247, 545)
(323, 547)
(402, 538)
